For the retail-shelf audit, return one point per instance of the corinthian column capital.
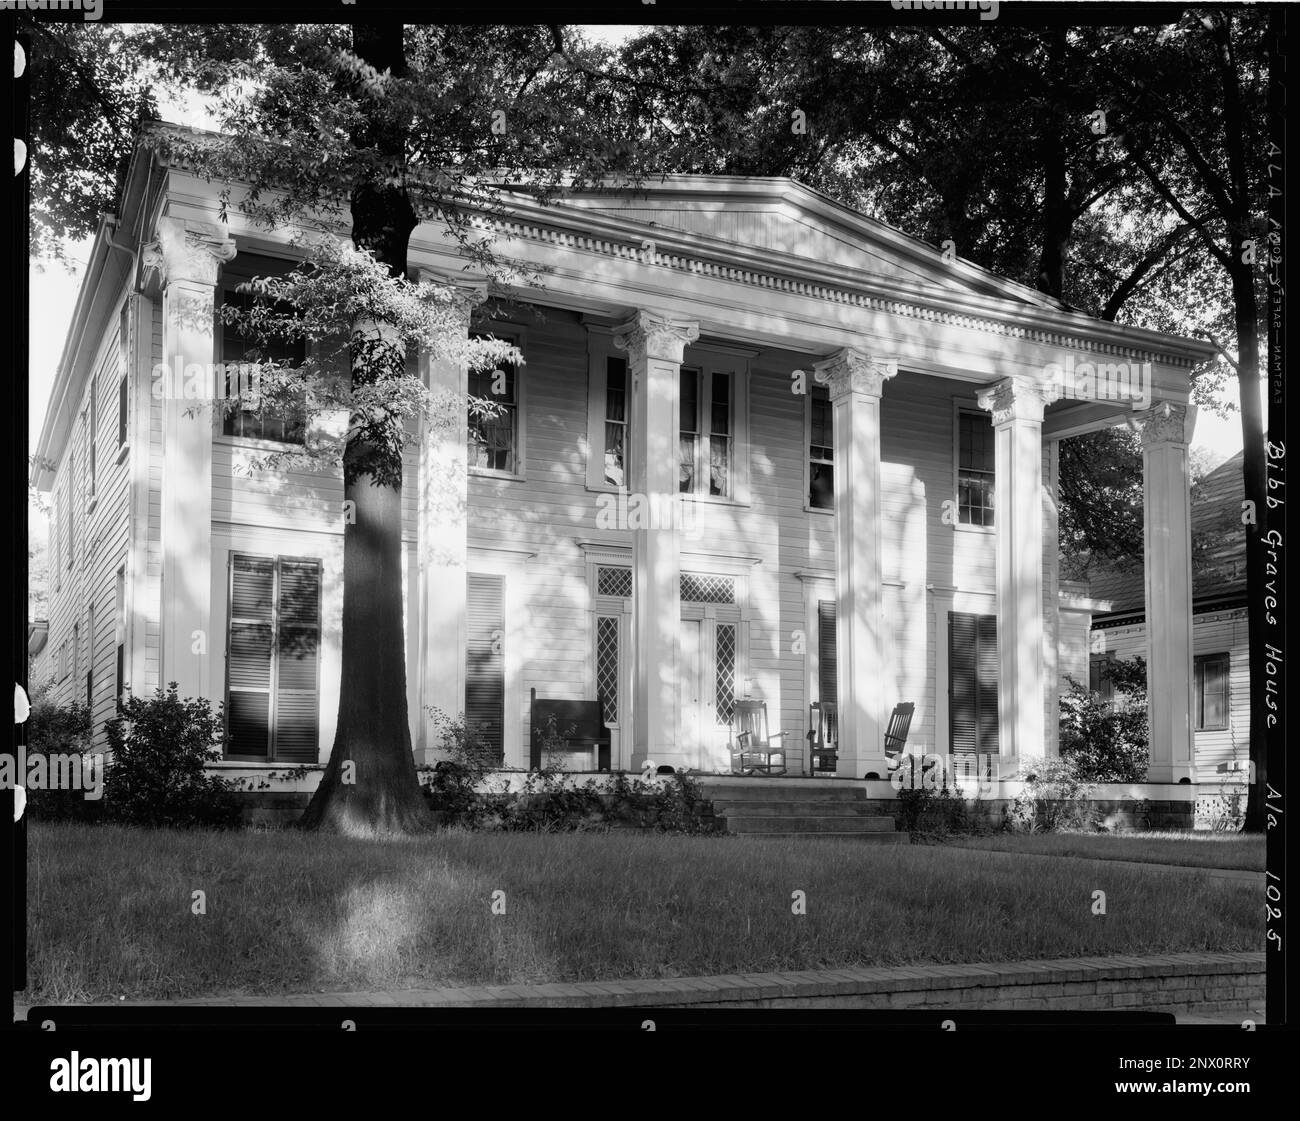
(651, 335)
(1166, 423)
(187, 250)
(851, 371)
(1016, 398)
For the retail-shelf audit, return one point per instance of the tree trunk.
(1057, 219)
(1252, 442)
(370, 784)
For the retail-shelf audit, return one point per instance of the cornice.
(689, 254)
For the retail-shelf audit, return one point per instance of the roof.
(1218, 548)
(769, 233)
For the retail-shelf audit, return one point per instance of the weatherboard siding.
(1212, 633)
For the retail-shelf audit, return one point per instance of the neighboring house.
(849, 443)
(1220, 697)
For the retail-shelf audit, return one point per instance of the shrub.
(54, 729)
(1108, 741)
(925, 811)
(451, 785)
(548, 803)
(1055, 799)
(155, 777)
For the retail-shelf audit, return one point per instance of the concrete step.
(872, 838)
(801, 808)
(808, 823)
(763, 790)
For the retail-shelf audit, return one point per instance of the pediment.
(793, 223)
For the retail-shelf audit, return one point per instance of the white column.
(856, 381)
(442, 532)
(1017, 406)
(188, 256)
(1167, 557)
(655, 345)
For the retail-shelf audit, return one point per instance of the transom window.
(614, 582)
(707, 589)
(705, 459)
(695, 587)
(975, 463)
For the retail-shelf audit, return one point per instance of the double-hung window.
(706, 463)
(272, 658)
(975, 466)
(821, 449)
(254, 419)
(1211, 676)
(494, 434)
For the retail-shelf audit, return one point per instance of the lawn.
(1198, 850)
(110, 909)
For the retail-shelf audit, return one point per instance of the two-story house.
(760, 446)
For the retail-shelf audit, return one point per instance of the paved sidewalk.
(1241, 875)
(932, 985)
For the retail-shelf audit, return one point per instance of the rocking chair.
(823, 738)
(752, 748)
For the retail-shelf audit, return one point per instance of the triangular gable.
(791, 221)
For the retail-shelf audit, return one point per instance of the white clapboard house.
(1220, 657)
(761, 447)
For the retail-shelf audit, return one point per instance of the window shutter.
(248, 655)
(972, 684)
(826, 651)
(485, 678)
(962, 638)
(986, 684)
(297, 697)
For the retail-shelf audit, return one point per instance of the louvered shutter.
(986, 685)
(485, 676)
(963, 633)
(248, 655)
(972, 684)
(297, 696)
(826, 651)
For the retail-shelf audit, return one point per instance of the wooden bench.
(581, 724)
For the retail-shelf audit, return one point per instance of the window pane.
(690, 383)
(687, 464)
(616, 389)
(720, 465)
(822, 435)
(821, 490)
(720, 418)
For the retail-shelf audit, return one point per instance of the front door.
(691, 670)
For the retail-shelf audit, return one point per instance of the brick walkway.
(1119, 978)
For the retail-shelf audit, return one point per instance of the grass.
(1197, 850)
(110, 910)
